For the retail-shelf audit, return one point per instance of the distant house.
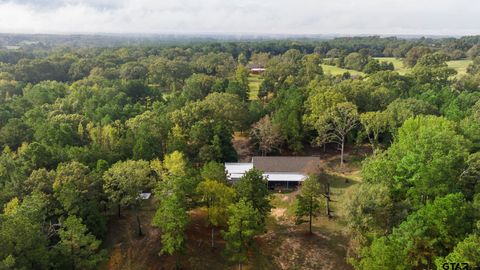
(278, 170)
(257, 70)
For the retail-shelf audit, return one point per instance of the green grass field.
(334, 70)
(254, 81)
(397, 63)
(459, 65)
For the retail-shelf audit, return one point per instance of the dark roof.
(305, 165)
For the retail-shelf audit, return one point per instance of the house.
(289, 171)
(257, 70)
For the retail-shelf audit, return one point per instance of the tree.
(197, 86)
(243, 224)
(355, 61)
(267, 135)
(214, 171)
(78, 191)
(124, 182)
(433, 70)
(14, 133)
(424, 162)
(287, 116)
(419, 239)
(178, 178)
(414, 54)
(371, 211)
(253, 187)
(77, 247)
(172, 218)
(217, 196)
(24, 246)
(340, 120)
(470, 176)
(318, 105)
(308, 201)
(466, 251)
(374, 123)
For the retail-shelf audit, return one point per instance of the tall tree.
(214, 171)
(243, 224)
(172, 219)
(374, 123)
(421, 238)
(217, 196)
(79, 192)
(24, 245)
(267, 135)
(337, 124)
(77, 248)
(124, 182)
(308, 201)
(253, 187)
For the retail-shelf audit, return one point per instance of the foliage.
(172, 218)
(430, 232)
(308, 201)
(243, 224)
(253, 188)
(77, 248)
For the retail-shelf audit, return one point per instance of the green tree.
(467, 251)
(77, 248)
(308, 201)
(355, 61)
(253, 188)
(318, 104)
(124, 182)
(217, 196)
(214, 171)
(14, 133)
(244, 224)
(79, 193)
(24, 245)
(417, 241)
(414, 54)
(340, 121)
(374, 123)
(172, 219)
(424, 162)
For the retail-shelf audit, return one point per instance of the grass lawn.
(397, 63)
(334, 70)
(254, 81)
(460, 66)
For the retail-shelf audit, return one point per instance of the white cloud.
(457, 17)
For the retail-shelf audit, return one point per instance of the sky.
(346, 17)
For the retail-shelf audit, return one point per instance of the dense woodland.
(85, 130)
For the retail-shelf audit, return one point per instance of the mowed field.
(254, 81)
(397, 63)
(334, 70)
(459, 65)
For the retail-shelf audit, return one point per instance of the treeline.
(85, 131)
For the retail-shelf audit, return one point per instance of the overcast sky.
(427, 17)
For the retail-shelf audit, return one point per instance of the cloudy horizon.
(304, 17)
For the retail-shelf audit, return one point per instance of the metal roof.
(237, 170)
(294, 177)
(292, 164)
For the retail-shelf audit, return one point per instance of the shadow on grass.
(341, 182)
